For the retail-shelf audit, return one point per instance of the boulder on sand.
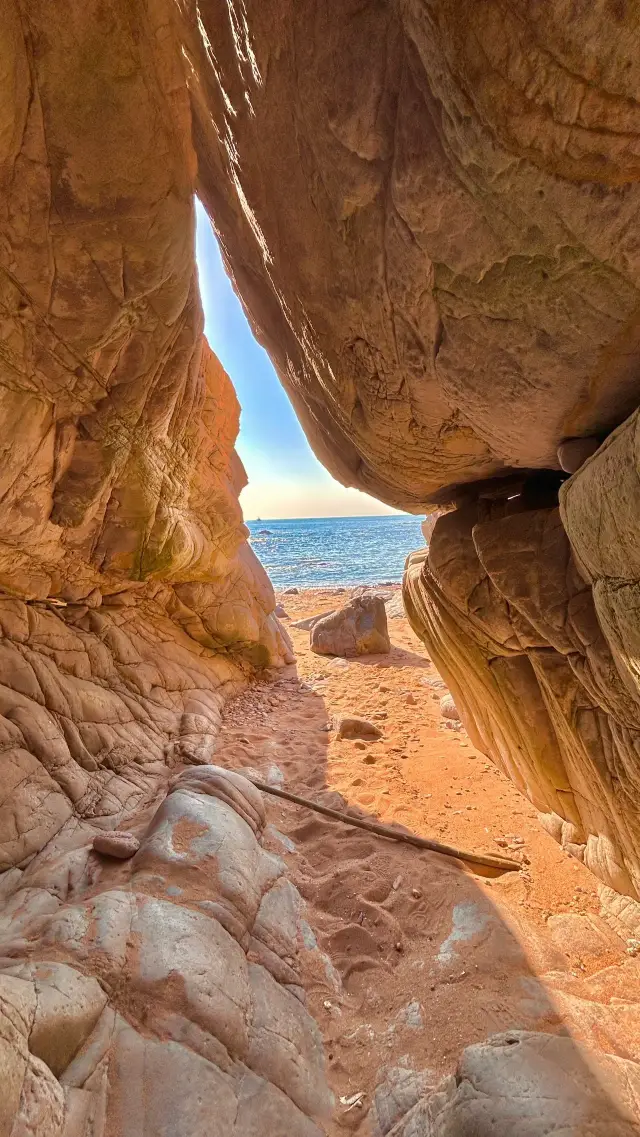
(351, 727)
(360, 628)
(309, 622)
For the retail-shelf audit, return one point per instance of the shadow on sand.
(428, 964)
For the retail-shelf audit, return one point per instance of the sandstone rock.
(395, 607)
(399, 1091)
(291, 592)
(348, 727)
(535, 661)
(579, 935)
(67, 1006)
(382, 368)
(119, 845)
(281, 612)
(448, 709)
(309, 622)
(360, 628)
(531, 1084)
(202, 948)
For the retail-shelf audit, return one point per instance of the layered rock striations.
(130, 602)
(430, 212)
(514, 627)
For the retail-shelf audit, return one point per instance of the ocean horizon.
(317, 552)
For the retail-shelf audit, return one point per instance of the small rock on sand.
(119, 845)
(349, 727)
(291, 592)
(280, 612)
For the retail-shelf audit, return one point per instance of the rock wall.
(535, 635)
(430, 211)
(130, 602)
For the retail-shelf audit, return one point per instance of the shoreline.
(285, 589)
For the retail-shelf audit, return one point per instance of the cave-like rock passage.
(430, 211)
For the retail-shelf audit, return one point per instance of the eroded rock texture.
(542, 679)
(130, 602)
(162, 996)
(518, 1082)
(430, 210)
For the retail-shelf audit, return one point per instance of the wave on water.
(336, 551)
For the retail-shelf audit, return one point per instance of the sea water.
(322, 551)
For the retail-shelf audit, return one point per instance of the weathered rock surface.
(448, 709)
(540, 662)
(359, 628)
(178, 1007)
(430, 210)
(535, 1085)
(310, 621)
(130, 602)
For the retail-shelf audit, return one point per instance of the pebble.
(119, 845)
(351, 727)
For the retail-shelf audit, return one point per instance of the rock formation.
(208, 973)
(430, 212)
(130, 602)
(358, 628)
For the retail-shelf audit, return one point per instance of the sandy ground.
(430, 955)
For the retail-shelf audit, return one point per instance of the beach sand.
(431, 955)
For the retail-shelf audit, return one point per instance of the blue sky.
(285, 477)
